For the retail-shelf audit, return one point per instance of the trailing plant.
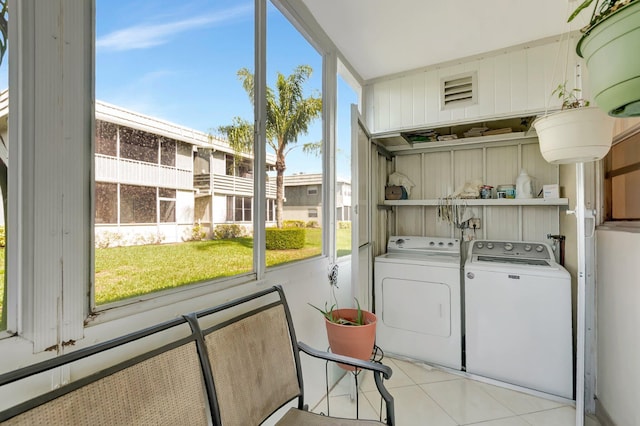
(606, 8)
(570, 98)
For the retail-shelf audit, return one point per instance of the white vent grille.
(458, 91)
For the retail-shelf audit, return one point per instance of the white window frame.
(51, 209)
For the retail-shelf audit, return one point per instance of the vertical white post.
(580, 303)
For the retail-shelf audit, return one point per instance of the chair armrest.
(342, 359)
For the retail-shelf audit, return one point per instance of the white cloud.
(150, 35)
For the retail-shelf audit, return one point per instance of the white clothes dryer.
(417, 299)
(518, 316)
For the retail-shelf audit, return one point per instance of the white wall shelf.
(483, 202)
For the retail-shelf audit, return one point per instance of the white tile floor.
(425, 395)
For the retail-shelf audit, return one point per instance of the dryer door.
(419, 306)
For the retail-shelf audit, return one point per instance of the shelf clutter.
(485, 202)
(490, 128)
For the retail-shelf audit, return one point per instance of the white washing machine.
(417, 299)
(518, 316)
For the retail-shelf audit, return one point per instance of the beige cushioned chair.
(255, 364)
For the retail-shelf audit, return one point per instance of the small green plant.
(329, 314)
(344, 224)
(569, 98)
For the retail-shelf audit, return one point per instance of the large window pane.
(165, 84)
(346, 97)
(297, 177)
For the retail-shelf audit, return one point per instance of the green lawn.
(123, 272)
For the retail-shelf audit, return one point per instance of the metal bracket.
(589, 214)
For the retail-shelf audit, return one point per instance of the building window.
(106, 202)
(312, 190)
(137, 204)
(238, 209)
(138, 145)
(168, 152)
(167, 205)
(622, 180)
(312, 213)
(106, 138)
(271, 210)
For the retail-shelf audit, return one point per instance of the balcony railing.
(231, 185)
(112, 169)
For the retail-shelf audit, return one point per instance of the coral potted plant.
(351, 331)
(609, 45)
(577, 133)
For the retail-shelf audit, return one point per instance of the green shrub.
(197, 233)
(285, 238)
(293, 223)
(2, 237)
(312, 224)
(224, 232)
(344, 224)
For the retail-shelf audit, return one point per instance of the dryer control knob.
(489, 245)
(527, 247)
(508, 246)
(539, 249)
(470, 275)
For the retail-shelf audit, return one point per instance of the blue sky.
(178, 61)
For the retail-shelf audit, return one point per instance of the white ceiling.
(383, 37)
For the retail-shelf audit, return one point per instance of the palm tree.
(289, 115)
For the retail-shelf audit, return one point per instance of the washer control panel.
(410, 244)
(512, 249)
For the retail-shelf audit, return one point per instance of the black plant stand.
(376, 356)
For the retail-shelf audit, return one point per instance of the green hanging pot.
(610, 49)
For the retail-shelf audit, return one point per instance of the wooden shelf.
(481, 202)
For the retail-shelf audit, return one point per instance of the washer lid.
(513, 260)
(442, 260)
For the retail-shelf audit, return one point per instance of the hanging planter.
(610, 48)
(574, 135)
